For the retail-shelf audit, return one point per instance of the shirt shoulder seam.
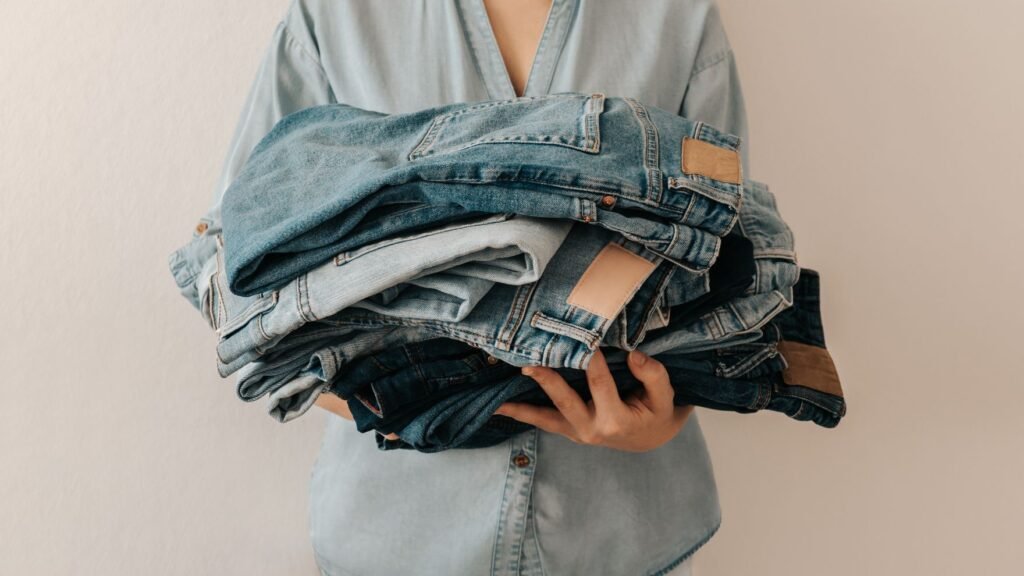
(713, 61)
(302, 48)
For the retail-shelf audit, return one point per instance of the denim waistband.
(457, 264)
(332, 177)
(289, 395)
(595, 276)
(295, 373)
(741, 319)
(404, 389)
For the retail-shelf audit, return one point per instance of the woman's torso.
(571, 509)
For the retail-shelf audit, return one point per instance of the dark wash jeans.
(439, 394)
(334, 177)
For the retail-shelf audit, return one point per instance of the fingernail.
(638, 357)
(527, 370)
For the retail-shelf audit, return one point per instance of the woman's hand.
(640, 423)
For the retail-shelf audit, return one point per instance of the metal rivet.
(201, 227)
(608, 200)
(492, 360)
(587, 218)
(521, 460)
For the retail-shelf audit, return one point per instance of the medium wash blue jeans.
(436, 274)
(275, 362)
(439, 394)
(298, 368)
(334, 177)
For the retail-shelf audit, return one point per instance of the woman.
(621, 487)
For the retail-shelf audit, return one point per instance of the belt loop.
(651, 150)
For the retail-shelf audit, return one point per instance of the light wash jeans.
(334, 177)
(741, 319)
(438, 274)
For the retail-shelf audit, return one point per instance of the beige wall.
(889, 129)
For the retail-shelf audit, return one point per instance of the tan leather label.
(333, 403)
(610, 281)
(809, 366)
(705, 159)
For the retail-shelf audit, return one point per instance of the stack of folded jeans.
(411, 263)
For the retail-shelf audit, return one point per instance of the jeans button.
(521, 460)
(491, 360)
(201, 227)
(608, 200)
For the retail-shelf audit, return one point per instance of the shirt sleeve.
(289, 78)
(713, 93)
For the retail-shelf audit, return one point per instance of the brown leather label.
(610, 281)
(715, 162)
(809, 366)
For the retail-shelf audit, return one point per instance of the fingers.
(565, 399)
(547, 419)
(602, 385)
(653, 375)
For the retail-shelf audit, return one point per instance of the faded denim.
(447, 270)
(535, 323)
(742, 318)
(335, 177)
(440, 394)
(316, 55)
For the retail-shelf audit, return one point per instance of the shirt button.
(492, 360)
(201, 227)
(521, 460)
(608, 200)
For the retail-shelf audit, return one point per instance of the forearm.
(335, 404)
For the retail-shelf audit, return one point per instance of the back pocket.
(568, 119)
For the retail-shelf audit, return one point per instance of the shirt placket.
(480, 37)
(514, 533)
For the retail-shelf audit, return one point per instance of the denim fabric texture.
(440, 394)
(335, 177)
(302, 365)
(436, 274)
(359, 53)
(536, 323)
(538, 327)
(741, 319)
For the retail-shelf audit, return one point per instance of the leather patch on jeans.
(705, 159)
(809, 366)
(610, 281)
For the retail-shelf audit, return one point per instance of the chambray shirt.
(537, 503)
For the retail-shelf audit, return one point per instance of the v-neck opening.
(491, 64)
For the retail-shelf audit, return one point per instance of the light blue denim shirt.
(564, 508)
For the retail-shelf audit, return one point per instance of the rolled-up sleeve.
(290, 78)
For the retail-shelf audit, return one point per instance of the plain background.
(889, 130)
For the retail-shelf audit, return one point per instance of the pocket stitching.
(589, 121)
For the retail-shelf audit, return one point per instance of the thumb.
(653, 375)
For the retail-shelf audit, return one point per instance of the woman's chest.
(406, 55)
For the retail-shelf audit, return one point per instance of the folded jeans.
(334, 177)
